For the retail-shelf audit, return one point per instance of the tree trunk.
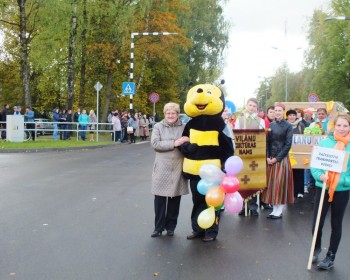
(83, 58)
(71, 50)
(24, 53)
(108, 96)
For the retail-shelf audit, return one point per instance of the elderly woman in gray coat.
(168, 184)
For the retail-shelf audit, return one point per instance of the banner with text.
(251, 148)
(300, 153)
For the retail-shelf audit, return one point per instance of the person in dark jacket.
(29, 117)
(68, 125)
(298, 174)
(63, 119)
(4, 114)
(280, 188)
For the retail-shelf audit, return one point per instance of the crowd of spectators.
(126, 127)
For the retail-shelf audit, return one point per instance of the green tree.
(208, 31)
(329, 56)
(18, 20)
(93, 36)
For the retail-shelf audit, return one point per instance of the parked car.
(44, 126)
(184, 118)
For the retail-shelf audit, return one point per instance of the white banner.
(329, 159)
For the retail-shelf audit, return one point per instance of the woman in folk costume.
(337, 197)
(279, 189)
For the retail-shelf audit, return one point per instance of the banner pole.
(317, 224)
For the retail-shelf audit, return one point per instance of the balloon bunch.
(220, 190)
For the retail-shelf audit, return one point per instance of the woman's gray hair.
(171, 106)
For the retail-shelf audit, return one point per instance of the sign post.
(154, 98)
(98, 87)
(128, 88)
(328, 160)
(132, 47)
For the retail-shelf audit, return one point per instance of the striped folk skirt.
(280, 187)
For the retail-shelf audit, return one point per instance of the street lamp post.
(132, 48)
(267, 87)
(338, 18)
(286, 75)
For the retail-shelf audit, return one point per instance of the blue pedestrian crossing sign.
(128, 88)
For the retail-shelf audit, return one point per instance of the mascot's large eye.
(209, 91)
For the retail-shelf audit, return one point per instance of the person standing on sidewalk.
(92, 124)
(29, 117)
(5, 111)
(56, 119)
(83, 122)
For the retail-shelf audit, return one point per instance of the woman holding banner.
(337, 197)
(279, 171)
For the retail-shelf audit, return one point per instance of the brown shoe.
(208, 238)
(194, 235)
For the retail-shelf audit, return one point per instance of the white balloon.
(211, 173)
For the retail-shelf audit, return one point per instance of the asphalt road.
(88, 214)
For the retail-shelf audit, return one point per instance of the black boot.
(317, 251)
(327, 262)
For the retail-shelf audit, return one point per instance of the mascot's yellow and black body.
(208, 144)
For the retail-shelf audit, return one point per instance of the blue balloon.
(203, 186)
(231, 106)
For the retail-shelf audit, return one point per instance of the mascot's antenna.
(221, 83)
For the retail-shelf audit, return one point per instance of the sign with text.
(329, 159)
(251, 148)
(300, 152)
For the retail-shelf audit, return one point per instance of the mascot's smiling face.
(204, 99)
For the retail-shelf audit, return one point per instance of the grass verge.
(47, 142)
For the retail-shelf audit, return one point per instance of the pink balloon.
(233, 202)
(230, 184)
(233, 165)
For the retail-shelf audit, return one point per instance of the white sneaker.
(306, 189)
(300, 195)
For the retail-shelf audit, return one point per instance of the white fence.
(62, 127)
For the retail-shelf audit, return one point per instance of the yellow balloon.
(206, 218)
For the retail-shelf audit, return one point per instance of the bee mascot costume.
(208, 144)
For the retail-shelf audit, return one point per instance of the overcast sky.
(257, 26)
